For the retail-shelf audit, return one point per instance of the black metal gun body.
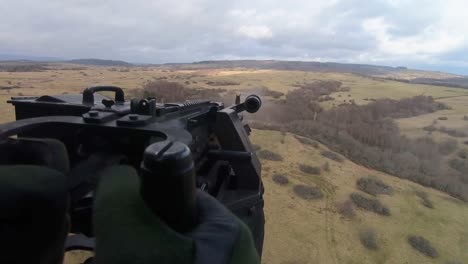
(226, 166)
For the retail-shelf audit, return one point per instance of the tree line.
(368, 135)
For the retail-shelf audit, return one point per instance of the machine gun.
(199, 144)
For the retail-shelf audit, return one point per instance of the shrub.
(372, 205)
(430, 128)
(346, 209)
(448, 146)
(332, 155)
(425, 199)
(368, 239)
(256, 147)
(423, 245)
(280, 179)
(165, 91)
(462, 154)
(222, 83)
(276, 94)
(459, 165)
(452, 132)
(373, 186)
(264, 91)
(307, 141)
(325, 98)
(326, 166)
(442, 118)
(345, 89)
(308, 192)
(269, 155)
(309, 169)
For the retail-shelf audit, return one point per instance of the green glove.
(33, 214)
(128, 232)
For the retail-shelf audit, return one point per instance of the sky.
(424, 34)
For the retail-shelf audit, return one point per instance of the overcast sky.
(431, 34)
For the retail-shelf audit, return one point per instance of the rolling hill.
(100, 62)
(313, 231)
(401, 73)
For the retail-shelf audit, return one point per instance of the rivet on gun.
(93, 113)
(133, 117)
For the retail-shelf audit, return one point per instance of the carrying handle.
(88, 94)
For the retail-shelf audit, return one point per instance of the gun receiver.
(205, 138)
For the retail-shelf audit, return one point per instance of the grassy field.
(73, 79)
(301, 231)
(413, 126)
(297, 230)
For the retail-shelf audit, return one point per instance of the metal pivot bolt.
(133, 117)
(168, 184)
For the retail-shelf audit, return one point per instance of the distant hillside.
(23, 66)
(292, 65)
(23, 57)
(99, 62)
(401, 74)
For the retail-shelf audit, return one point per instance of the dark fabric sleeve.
(127, 231)
(33, 214)
(221, 237)
(244, 250)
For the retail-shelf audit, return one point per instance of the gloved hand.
(33, 213)
(128, 232)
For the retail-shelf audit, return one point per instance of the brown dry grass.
(304, 231)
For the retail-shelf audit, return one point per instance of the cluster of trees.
(442, 129)
(23, 68)
(367, 134)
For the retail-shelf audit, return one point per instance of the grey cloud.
(171, 31)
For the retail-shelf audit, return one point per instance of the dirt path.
(329, 190)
